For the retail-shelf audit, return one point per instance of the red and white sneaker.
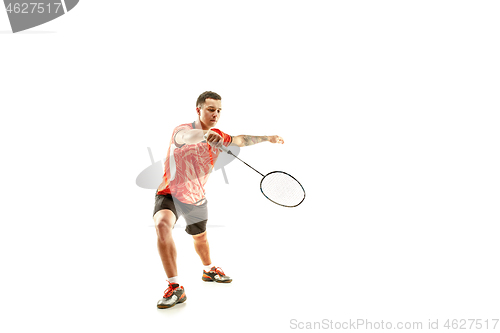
(173, 294)
(216, 274)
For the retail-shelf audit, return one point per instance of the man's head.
(208, 108)
(203, 97)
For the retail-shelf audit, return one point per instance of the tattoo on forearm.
(249, 140)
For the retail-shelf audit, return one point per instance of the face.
(209, 113)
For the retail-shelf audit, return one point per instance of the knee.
(201, 238)
(163, 228)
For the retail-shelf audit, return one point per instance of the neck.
(199, 124)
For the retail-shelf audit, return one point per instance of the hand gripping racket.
(278, 186)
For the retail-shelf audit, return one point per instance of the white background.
(389, 111)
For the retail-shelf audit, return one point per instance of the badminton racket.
(277, 186)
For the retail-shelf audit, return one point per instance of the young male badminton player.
(190, 160)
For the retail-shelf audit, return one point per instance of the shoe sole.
(210, 280)
(182, 300)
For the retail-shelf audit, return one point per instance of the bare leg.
(202, 248)
(164, 222)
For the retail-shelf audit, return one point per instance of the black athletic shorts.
(196, 216)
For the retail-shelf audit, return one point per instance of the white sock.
(174, 279)
(207, 267)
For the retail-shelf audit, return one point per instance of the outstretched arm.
(248, 140)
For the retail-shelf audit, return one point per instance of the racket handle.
(223, 148)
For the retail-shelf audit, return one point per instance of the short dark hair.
(207, 94)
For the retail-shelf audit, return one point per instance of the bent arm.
(189, 136)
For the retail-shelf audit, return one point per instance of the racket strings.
(282, 189)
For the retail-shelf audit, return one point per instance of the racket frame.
(289, 175)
